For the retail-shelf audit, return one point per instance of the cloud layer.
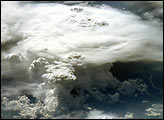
(57, 57)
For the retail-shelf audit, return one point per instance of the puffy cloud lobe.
(154, 110)
(58, 72)
(25, 108)
(128, 87)
(129, 115)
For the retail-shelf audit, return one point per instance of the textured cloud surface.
(57, 56)
(100, 34)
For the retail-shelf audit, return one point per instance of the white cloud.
(58, 48)
(155, 110)
(97, 114)
(129, 115)
(50, 33)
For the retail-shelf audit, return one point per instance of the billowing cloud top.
(101, 35)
